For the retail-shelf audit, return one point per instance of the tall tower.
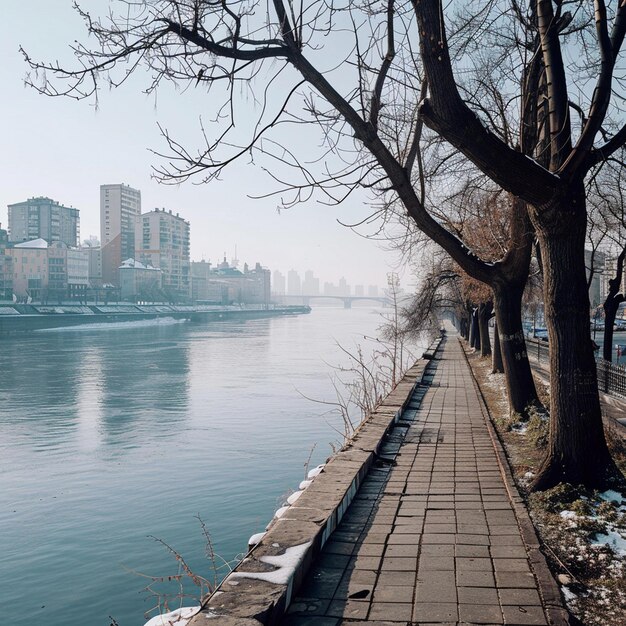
(120, 206)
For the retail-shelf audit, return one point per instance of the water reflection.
(93, 389)
(111, 435)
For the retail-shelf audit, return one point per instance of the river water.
(109, 436)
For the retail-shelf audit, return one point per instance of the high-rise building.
(359, 290)
(120, 206)
(344, 288)
(372, 291)
(162, 241)
(278, 283)
(43, 218)
(311, 285)
(6, 267)
(294, 286)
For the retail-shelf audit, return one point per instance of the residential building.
(359, 290)
(258, 284)
(279, 283)
(43, 218)
(94, 253)
(200, 276)
(162, 240)
(344, 288)
(49, 272)
(226, 284)
(294, 285)
(78, 260)
(120, 206)
(139, 282)
(311, 284)
(30, 269)
(372, 291)
(6, 267)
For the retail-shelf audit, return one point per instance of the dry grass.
(568, 519)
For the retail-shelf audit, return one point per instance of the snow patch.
(315, 471)
(161, 321)
(294, 497)
(612, 496)
(568, 595)
(613, 539)
(179, 617)
(286, 564)
(281, 512)
(255, 539)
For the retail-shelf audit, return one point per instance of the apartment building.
(120, 206)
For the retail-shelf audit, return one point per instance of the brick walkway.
(432, 537)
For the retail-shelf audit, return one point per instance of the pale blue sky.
(66, 149)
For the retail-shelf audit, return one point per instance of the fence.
(538, 350)
(611, 377)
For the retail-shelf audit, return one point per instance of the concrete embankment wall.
(262, 585)
(26, 318)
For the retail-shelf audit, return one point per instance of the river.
(110, 436)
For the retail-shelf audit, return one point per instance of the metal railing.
(611, 377)
(538, 350)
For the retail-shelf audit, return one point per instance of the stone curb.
(260, 588)
(556, 613)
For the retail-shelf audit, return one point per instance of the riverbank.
(114, 434)
(29, 317)
(583, 533)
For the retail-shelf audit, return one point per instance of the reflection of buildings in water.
(144, 383)
(89, 399)
(39, 386)
(94, 387)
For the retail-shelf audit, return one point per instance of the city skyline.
(79, 147)
(109, 232)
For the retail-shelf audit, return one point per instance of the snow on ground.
(161, 321)
(179, 617)
(613, 539)
(286, 565)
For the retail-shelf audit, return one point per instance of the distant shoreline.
(15, 318)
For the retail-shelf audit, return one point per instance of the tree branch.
(447, 114)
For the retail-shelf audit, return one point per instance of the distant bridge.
(347, 300)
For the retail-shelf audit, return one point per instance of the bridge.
(347, 300)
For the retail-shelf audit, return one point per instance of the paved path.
(432, 536)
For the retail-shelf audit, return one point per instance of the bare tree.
(370, 97)
(606, 234)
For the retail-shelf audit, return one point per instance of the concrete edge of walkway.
(260, 588)
(556, 612)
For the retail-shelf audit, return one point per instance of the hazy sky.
(65, 149)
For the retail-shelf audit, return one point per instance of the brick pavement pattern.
(431, 537)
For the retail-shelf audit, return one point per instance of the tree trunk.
(577, 451)
(484, 315)
(520, 385)
(475, 331)
(611, 306)
(465, 326)
(610, 311)
(497, 367)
